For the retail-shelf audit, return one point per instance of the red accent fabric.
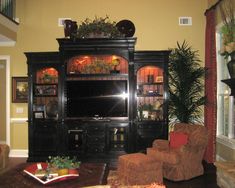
(178, 139)
(210, 113)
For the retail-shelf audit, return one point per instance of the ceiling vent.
(185, 21)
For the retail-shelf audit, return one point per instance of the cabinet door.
(150, 94)
(45, 138)
(75, 137)
(117, 137)
(151, 102)
(45, 94)
(96, 137)
(147, 133)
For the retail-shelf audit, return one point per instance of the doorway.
(5, 99)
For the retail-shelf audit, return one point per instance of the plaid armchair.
(183, 162)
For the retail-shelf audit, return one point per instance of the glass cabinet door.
(97, 64)
(45, 94)
(150, 93)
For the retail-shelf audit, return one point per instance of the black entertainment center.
(96, 99)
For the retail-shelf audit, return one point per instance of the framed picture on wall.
(19, 89)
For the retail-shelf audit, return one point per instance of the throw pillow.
(178, 139)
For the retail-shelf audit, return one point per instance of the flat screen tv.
(97, 98)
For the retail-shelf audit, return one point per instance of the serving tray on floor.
(32, 169)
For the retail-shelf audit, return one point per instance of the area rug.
(113, 182)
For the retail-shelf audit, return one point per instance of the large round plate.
(126, 27)
(52, 109)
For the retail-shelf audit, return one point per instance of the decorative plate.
(126, 27)
(52, 109)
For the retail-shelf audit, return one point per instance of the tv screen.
(97, 98)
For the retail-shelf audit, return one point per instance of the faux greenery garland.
(99, 27)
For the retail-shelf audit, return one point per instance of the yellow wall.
(3, 101)
(156, 23)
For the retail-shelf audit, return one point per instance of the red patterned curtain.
(210, 85)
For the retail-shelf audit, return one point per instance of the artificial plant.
(61, 162)
(185, 84)
(228, 28)
(99, 27)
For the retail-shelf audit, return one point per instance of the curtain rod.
(213, 6)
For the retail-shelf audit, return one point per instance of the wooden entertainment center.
(96, 99)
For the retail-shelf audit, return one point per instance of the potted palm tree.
(185, 85)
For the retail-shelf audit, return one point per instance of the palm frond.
(185, 84)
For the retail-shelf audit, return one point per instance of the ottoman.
(139, 169)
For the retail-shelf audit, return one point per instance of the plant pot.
(97, 35)
(231, 65)
(63, 171)
(73, 171)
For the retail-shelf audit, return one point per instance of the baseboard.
(18, 153)
(229, 142)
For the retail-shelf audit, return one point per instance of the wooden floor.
(208, 180)
(13, 161)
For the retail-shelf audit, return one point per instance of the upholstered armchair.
(4, 155)
(182, 155)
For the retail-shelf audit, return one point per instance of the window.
(225, 102)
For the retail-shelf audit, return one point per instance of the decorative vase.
(63, 171)
(67, 27)
(73, 171)
(70, 27)
(74, 27)
(115, 70)
(150, 78)
(97, 35)
(231, 65)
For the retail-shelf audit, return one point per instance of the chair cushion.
(177, 139)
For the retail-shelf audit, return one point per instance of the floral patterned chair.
(182, 155)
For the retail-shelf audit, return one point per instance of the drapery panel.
(210, 111)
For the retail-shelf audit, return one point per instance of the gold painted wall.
(2, 101)
(156, 23)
